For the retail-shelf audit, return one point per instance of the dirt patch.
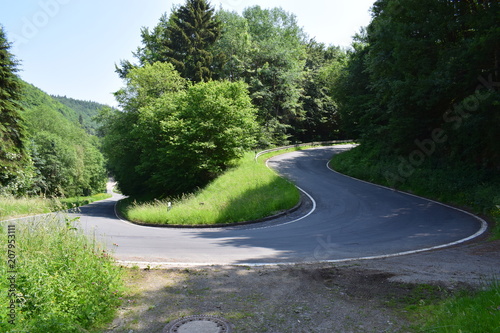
(364, 296)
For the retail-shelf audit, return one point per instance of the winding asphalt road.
(341, 219)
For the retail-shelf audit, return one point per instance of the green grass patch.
(12, 207)
(451, 182)
(246, 192)
(59, 279)
(82, 201)
(474, 312)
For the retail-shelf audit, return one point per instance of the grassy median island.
(249, 191)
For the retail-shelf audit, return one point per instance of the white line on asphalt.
(482, 230)
(296, 220)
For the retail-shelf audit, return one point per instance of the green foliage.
(13, 156)
(214, 125)
(319, 121)
(68, 203)
(184, 39)
(66, 160)
(267, 49)
(85, 110)
(64, 282)
(351, 91)
(43, 148)
(15, 207)
(247, 192)
(175, 137)
(192, 31)
(475, 313)
(233, 50)
(147, 84)
(420, 90)
(12, 207)
(422, 67)
(275, 74)
(288, 75)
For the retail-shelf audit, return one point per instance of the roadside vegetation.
(424, 104)
(456, 184)
(205, 91)
(59, 279)
(246, 192)
(15, 207)
(472, 312)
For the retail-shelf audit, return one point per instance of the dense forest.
(45, 151)
(420, 84)
(85, 112)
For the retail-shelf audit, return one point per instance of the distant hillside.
(66, 160)
(33, 97)
(85, 110)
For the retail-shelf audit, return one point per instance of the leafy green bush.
(174, 137)
(64, 282)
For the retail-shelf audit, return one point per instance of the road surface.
(341, 219)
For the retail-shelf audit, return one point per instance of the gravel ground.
(359, 296)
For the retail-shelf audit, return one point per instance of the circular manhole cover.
(198, 324)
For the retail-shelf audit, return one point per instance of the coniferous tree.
(193, 30)
(12, 131)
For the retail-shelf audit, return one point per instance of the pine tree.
(12, 131)
(192, 30)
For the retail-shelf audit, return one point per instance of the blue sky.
(70, 47)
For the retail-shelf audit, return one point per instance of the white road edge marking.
(482, 230)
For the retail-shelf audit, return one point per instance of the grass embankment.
(452, 183)
(11, 207)
(249, 191)
(55, 279)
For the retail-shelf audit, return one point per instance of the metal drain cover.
(198, 324)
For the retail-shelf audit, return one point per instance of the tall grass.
(12, 207)
(62, 280)
(249, 191)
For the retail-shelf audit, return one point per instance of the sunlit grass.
(246, 192)
(473, 313)
(12, 207)
(82, 201)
